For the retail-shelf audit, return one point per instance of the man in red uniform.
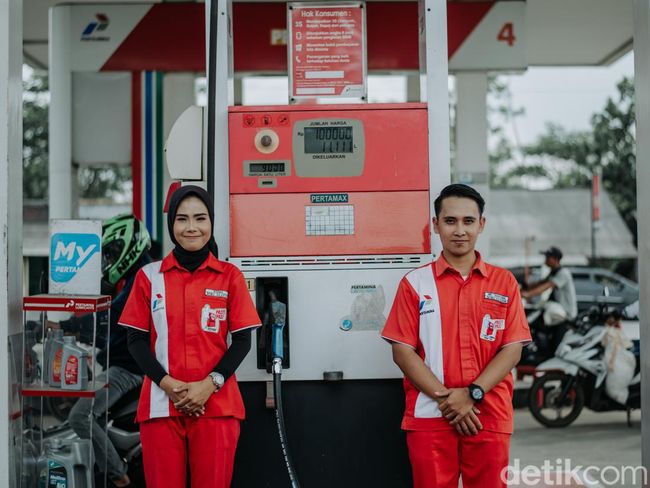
(457, 328)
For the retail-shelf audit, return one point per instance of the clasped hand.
(458, 407)
(189, 398)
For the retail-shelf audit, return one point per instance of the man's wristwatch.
(217, 379)
(476, 393)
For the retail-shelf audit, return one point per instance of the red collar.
(441, 265)
(170, 262)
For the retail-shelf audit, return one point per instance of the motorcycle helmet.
(124, 240)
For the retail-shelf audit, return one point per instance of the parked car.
(594, 286)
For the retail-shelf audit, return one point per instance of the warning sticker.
(329, 220)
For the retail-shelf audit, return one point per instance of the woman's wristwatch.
(217, 380)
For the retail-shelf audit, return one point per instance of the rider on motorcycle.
(562, 305)
(125, 246)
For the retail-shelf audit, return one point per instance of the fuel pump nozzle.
(277, 342)
(278, 352)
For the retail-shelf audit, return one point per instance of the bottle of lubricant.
(66, 463)
(55, 358)
(47, 350)
(74, 373)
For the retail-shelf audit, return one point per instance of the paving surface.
(598, 440)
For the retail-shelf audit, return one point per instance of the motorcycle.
(575, 377)
(544, 339)
(122, 430)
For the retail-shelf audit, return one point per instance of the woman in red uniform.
(179, 314)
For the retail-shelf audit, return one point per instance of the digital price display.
(267, 168)
(328, 140)
(328, 147)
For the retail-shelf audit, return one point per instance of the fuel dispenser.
(324, 208)
(329, 204)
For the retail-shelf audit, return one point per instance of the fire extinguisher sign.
(327, 50)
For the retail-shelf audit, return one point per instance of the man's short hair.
(461, 191)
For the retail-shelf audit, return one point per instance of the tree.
(502, 114)
(563, 159)
(103, 181)
(614, 138)
(94, 181)
(35, 135)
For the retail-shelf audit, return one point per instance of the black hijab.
(191, 260)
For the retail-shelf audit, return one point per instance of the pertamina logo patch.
(158, 303)
(425, 303)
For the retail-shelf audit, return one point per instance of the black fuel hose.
(279, 417)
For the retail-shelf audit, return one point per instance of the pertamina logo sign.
(70, 252)
(95, 29)
(79, 306)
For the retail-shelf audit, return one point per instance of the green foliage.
(94, 181)
(35, 136)
(501, 114)
(563, 159)
(615, 145)
(103, 181)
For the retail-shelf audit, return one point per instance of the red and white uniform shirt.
(188, 316)
(457, 326)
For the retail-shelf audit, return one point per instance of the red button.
(283, 119)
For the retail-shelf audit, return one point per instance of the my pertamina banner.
(75, 257)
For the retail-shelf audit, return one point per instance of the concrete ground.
(594, 439)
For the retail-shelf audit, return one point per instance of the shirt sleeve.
(241, 310)
(403, 322)
(517, 329)
(560, 279)
(137, 310)
(138, 344)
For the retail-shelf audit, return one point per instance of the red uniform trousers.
(208, 444)
(439, 457)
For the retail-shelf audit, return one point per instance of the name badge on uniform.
(490, 326)
(496, 297)
(211, 317)
(216, 293)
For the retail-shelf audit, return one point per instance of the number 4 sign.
(493, 39)
(507, 33)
